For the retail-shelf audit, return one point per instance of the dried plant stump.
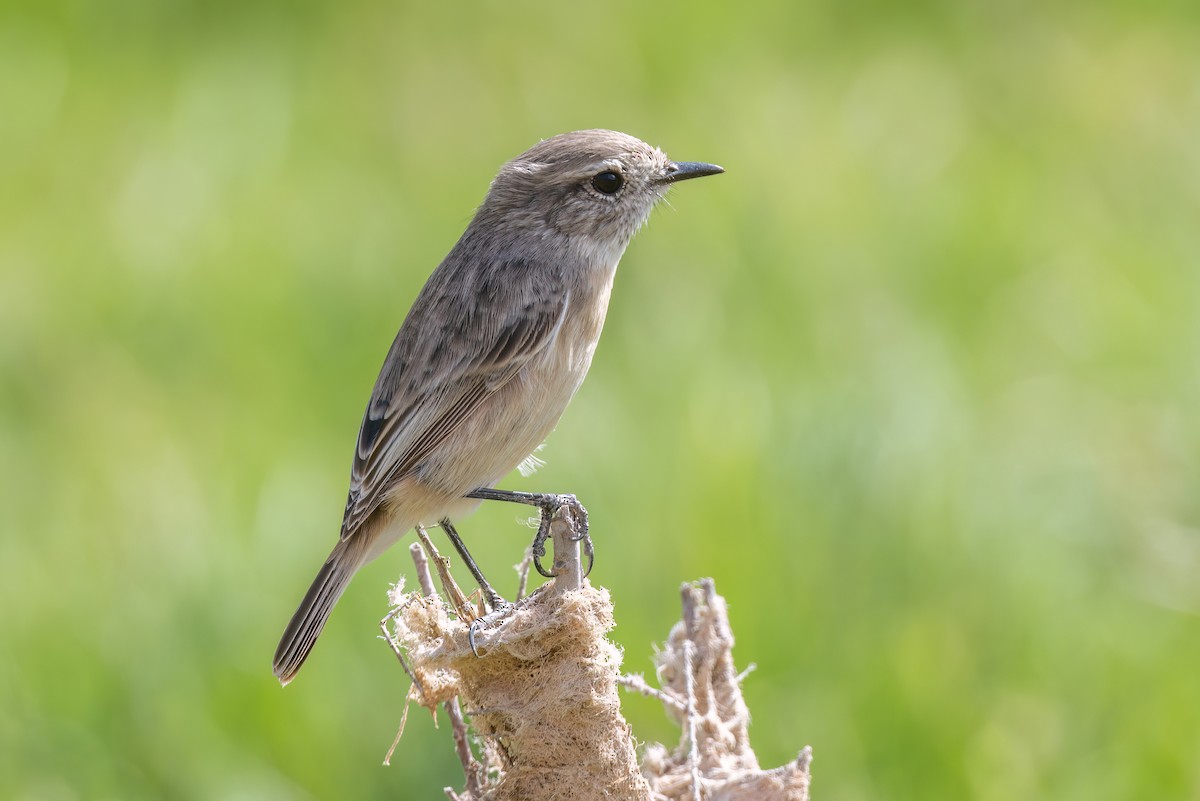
(540, 703)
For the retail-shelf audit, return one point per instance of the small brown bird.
(493, 349)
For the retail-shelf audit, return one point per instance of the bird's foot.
(577, 518)
(551, 505)
(501, 609)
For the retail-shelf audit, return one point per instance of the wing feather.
(428, 388)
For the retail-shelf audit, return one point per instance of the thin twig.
(387, 759)
(750, 668)
(688, 593)
(637, 683)
(689, 658)
(397, 649)
(719, 670)
(462, 745)
(424, 577)
(523, 573)
(459, 601)
(689, 610)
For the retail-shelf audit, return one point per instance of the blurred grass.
(915, 382)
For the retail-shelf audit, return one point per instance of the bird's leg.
(493, 598)
(500, 607)
(549, 504)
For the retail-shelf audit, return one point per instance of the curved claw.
(590, 552)
(500, 610)
(537, 563)
(551, 507)
(582, 535)
(538, 548)
(471, 635)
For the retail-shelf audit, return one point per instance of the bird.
(491, 351)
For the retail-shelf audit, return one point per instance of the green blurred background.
(916, 381)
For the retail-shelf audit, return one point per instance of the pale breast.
(515, 420)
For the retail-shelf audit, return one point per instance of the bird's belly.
(513, 421)
(510, 425)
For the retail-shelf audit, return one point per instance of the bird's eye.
(608, 182)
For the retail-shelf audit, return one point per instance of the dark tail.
(306, 624)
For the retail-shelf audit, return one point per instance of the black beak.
(683, 170)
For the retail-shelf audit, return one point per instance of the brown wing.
(447, 359)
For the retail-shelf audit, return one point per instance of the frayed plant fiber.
(542, 695)
(701, 690)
